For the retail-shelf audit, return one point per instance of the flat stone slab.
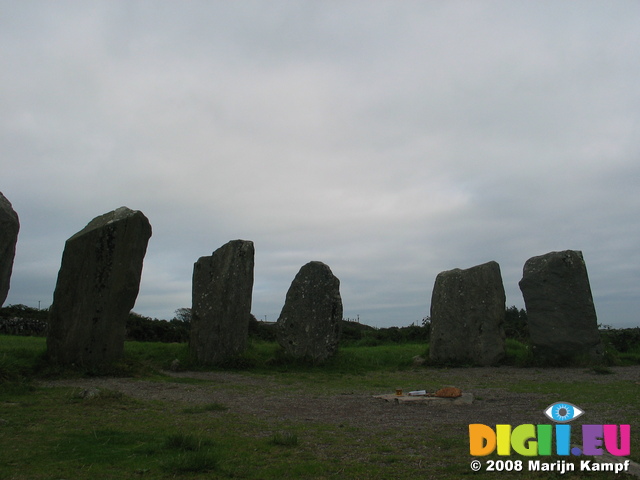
(465, 399)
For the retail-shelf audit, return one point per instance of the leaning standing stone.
(309, 324)
(9, 227)
(560, 310)
(221, 303)
(467, 316)
(97, 287)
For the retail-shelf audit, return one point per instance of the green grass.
(630, 357)
(192, 462)
(156, 353)
(517, 353)
(195, 454)
(23, 357)
(19, 356)
(285, 439)
(186, 442)
(109, 435)
(264, 356)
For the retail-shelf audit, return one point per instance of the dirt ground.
(267, 397)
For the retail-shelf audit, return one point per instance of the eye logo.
(563, 412)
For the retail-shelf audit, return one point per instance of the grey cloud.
(390, 140)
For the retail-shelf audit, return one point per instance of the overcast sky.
(390, 140)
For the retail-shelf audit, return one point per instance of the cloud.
(390, 140)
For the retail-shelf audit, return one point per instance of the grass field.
(62, 432)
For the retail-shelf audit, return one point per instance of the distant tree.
(22, 320)
(22, 311)
(515, 324)
(261, 330)
(623, 339)
(183, 315)
(145, 329)
(414, 333)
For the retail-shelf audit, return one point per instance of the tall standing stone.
(560, 310)
(221, 302)
(9, 227)
(467, 316)
(97, 287)
(309, 324)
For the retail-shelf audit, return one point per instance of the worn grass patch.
(209, 407)
(106, 434)
(163, 378)
(114, 436)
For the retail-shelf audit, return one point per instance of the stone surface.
(221, 297)
(175, 365)
(418, 361)
(560, 310)
(309, 325)
(467, 316)
(463, 399)
(97, 287)
(9, 227)
(89, 393)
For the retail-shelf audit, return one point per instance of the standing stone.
(97, 287)
(560, 310)
(467, 316)
(221, 297)
(9, 227)
(309, 324)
